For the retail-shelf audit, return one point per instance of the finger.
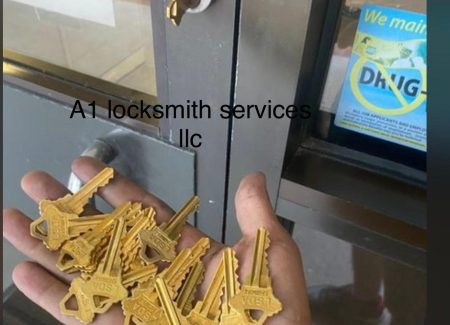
(289, 285)
(253, 208)
(16, 229)
(41, 287)
(47, 291)
(121, 190)
(39, 185)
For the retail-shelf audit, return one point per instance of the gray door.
(54, 56)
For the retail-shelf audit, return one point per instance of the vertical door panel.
(199, 67)
(271, 40)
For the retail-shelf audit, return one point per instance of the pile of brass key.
(120, 257)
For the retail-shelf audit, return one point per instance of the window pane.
(375, 93)
(107, 39)
(348, 285)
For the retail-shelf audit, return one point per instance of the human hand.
(44, 284)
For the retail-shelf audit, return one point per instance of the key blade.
(133, 214)
(176, 272)
(260, 268)
(103, 226)
(139, 275)
(177, 265)
(112, 253)
(209, 307)
(231, 278)
(144, 219)
(200, 248)
(177, 222)
(163, 239)
(81, 225)
(172, 315)
(79, 199)
(189, 288)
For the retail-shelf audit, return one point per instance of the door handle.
(177, 8)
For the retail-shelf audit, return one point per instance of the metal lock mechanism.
(177, 8)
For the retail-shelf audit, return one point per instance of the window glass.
(106, 39)
(374, 99)
(348, 285)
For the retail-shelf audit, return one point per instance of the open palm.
(40, 280)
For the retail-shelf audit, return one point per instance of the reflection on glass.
(348, 285)
(343, 46)
(107, 39)
(374, 99)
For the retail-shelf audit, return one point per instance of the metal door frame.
(196, 61)
(271, 44)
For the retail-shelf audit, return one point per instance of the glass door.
(110, 40)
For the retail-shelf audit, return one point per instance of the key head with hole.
(256, 294)
(83, 309)
(76, 253)
(157, 240)
(108, 290)
(142, 308)
(256, 299)
(52, 227)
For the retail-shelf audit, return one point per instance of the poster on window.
(385, 88)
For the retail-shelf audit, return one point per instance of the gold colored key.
(56, 227)
(175, 275)
(229, 315)
(177, 8)
(256, 294)
(133, 214)
(188, 290)
(80, 252)
(207, 311)
(83, 311)
(173, 314)
(175, 12)
(59, 219)
(74, 203)
(139, 275)
(130, 243)
(104, 288)
(143, 306)
(130, 221)
(163, 239)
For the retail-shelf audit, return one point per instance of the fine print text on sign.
(385, 89)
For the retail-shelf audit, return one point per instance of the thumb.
(253, 208)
